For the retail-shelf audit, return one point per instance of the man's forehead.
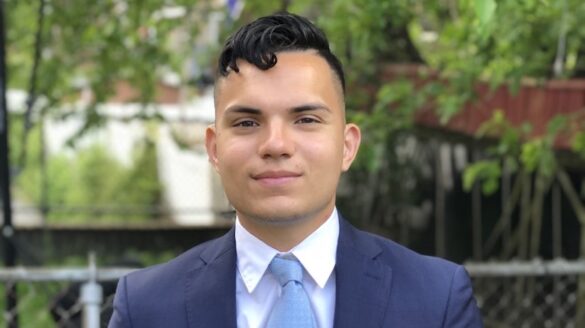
(297, 59)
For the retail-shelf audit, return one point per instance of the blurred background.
(473, 121)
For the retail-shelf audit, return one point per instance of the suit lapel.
(211, 286)
(362, 283)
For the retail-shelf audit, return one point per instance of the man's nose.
(276, 141)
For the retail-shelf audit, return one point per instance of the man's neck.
(284, 236)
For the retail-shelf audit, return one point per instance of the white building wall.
(191, 191)
(186, 176)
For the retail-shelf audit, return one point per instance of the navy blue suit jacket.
(378, 284)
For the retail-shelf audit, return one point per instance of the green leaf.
(578, 144)
(485, 9)
(530, 155)
(487, 172)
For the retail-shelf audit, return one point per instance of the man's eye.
(305, 120)
(246, 124)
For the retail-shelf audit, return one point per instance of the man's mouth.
(277, 177)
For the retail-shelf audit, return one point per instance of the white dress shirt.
(256, 288)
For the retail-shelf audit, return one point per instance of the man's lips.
(275, 177)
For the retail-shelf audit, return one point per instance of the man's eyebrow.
(243, 110)
(309, 107)
(237, 109)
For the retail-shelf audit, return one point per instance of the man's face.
(280, 141)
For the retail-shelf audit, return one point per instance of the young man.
(280, 143)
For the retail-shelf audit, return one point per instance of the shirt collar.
(317, 253)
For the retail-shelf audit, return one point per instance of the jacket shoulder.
(169, 278)
(191, 259)
(434, 289)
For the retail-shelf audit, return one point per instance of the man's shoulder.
(401, 258)
(172, 282)
(190, 260)
(434, 289)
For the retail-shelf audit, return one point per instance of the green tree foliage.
(94, 46)
(514, 41)
(94, 187)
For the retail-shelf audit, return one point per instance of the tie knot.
(286, 270)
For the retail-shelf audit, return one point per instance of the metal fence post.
(91, 297)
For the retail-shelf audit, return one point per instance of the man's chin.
(280, 219)
(283, 216)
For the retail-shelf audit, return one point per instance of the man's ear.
(352, 139)
(211, 146)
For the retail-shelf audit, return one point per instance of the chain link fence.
(528, 294)
(49, 304)
(510, 294)
(58, 297)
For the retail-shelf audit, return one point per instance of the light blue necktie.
(293, 308)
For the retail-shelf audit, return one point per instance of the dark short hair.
(259, 41)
